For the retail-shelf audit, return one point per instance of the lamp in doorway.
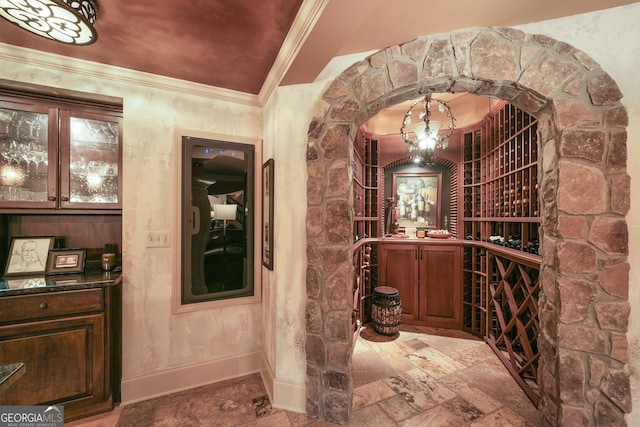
(65, 21)
(222, 212)
(426, 136)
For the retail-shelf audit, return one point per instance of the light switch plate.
(158, 239)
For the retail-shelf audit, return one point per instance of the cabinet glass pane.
(24, 155)
(93, 167)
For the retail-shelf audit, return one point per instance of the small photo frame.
(66, 261)
(28, 256)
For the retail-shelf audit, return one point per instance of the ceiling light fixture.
(426, 132)
(65, 21)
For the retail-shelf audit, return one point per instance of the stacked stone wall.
(584, 190)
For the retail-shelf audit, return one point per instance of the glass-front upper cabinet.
(57, 158)
(28, 155)
(90, 159)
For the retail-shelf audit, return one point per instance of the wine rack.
(500, 180)
(365, 263)
(501, 219)
(366, 204)
(474, 298)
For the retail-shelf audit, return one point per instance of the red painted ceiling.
(233, 44)
(230, 44)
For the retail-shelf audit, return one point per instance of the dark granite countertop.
(93, 277)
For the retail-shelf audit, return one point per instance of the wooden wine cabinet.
(366, 203)
(365, 263)
(367, 226)
(501, 219)
(500, 180)
(427, 277)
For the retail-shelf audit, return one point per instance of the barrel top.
(387, 290)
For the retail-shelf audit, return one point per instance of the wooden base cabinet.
(428, 279)
(69, 343)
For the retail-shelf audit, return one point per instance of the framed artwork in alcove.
(417, 199)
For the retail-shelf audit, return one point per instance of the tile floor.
(423, 377)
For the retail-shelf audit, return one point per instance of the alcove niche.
(584, 248)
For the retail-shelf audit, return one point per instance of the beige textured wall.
(285, 139)
(155, 339)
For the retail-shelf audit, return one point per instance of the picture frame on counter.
(66, 261)
(28, 255)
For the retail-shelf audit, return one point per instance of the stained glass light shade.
(65, 21)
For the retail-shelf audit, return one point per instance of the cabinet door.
(28, 156)
(64, 362)
(90, 160)
(440, 286)
(400, 270)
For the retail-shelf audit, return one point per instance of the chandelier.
(65, 21)
(426, 132)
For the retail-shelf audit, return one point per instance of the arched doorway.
(584, 191)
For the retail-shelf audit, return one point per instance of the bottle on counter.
(108, 257)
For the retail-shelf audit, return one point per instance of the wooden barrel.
(386, 310)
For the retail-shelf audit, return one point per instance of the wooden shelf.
(500, 179)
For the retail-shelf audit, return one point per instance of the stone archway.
(585, 195)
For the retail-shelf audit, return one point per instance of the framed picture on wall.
(267, 214)
(417, 199)
(28, 255)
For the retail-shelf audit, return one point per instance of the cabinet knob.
(51, 198)
(44, 306)
(64, 199)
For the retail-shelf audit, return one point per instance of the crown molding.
(308, 15)
(31, 57)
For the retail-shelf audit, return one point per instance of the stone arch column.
(584, 190)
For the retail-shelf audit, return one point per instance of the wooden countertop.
(524, 257)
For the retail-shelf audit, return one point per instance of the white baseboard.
(268, 377)
(282, 394)
(183, 378)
